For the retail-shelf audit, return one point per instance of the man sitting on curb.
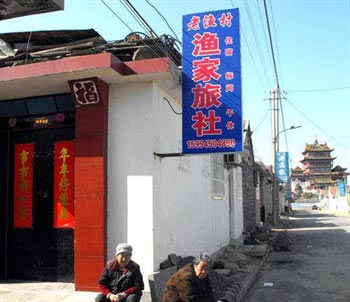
(191, 283)
(121, 279)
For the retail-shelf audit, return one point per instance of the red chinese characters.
(23, 186)
(205, 69)
(207, 96)
(206, 74)
(225, 20)
(64, 185)
(206, 44)
(206, 125)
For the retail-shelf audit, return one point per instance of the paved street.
(316, 269)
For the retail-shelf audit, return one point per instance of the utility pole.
(275, 129)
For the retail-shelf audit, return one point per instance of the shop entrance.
(40, 250)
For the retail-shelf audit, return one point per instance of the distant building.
(317, 171)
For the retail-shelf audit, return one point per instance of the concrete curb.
(249, 280)
(237, 291)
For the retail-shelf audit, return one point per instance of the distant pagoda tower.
(317, 166)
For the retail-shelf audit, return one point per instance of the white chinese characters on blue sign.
(211, 83)
(282, 167)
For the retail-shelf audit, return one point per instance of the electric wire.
(271, 44)
(165, 20)
(250, 53)
(256, 39)
(317, 126)
(264, 31)
(252, 59)
(145, 44)
(262, 120)
(284, 125)
(116, 15)
(27, 48)
(320, 90)
(276, 43)
(150, 48)
(137, 16)
(140, 23)
(178, 113)
(143, 23)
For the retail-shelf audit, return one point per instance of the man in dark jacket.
(121, 279)
(190, 283)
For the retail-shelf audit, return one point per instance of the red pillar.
(91, 97)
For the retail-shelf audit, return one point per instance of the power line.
(250, 53)
(251, 56)
(165, 20)
(317, 126)
(275, 35)
(116, 15)
(137, 16)
(144, 25)
(178, 113)
(271, 44)
(284, 125)
(321, 90)
(264, 31)
(262, 120)
(256, 39)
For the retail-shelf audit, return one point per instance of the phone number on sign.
(211, 143)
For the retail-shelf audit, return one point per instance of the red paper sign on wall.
(23, 186)
(64, 185)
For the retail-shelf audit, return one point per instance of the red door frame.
(90, 188)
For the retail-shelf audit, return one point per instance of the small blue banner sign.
(341, 188)
(211, 83)
(282, 167)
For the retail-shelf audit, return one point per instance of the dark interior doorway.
(42, 252)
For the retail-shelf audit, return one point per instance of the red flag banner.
(64, 185)
(23, 186)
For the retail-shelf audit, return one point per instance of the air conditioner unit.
(230, 159)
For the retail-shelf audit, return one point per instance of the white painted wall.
(237, 210)
(130, 172)
(159, 205)
(186, 219)
(140, 219)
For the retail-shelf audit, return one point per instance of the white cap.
(123, 248)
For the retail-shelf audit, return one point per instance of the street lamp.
(277, 137)
(275, 186)
(276, 144)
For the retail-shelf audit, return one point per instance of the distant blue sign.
(282, 167)
(341, 188)
(211, 83)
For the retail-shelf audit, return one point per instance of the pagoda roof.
(317, 158)
(338, 169)
(297, 169)
(316, 146)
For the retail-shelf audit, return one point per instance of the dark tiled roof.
(31, 47)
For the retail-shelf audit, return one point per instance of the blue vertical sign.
(282, 167)
(211, 83)
(341, 188)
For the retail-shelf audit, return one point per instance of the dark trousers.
(130, 298)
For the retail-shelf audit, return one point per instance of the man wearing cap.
(191, 282)
(121, 279)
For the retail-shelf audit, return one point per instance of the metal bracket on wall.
(167, 154)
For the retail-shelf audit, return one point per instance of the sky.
(311, 41)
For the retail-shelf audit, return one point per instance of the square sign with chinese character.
(282, 167)
(211, 83)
